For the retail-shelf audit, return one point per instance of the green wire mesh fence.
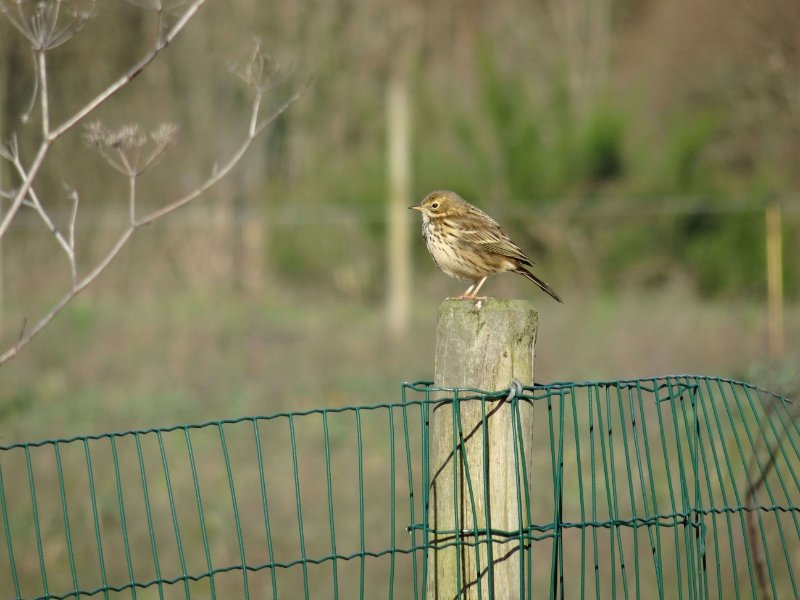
(674, 487)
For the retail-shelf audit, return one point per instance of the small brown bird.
(468, 244)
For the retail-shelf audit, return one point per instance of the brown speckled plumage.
(468, 244)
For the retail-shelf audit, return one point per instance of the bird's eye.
(435, 205)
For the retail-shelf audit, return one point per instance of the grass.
(117, 361)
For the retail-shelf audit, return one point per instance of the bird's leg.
(477, 287)
(466, 294)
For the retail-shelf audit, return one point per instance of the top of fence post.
(485, 344)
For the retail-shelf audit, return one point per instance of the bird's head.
(441, 203)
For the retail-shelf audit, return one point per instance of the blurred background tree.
(630, 147)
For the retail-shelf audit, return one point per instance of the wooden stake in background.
(474, 473)
(399, 167)
(775, 334)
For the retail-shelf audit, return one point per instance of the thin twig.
(122, 167)
(71, 228)
(128, 165)
(25, 339)
(83, 283)
(88, 108)
(41, 56)
(36, 204)
(254, 115)
(73, 217)
(131, 74)
(22, 192)
(22, 329)
(126, 169)
(220, 172)
(132, 199)
(26, 115)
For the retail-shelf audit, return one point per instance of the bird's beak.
(415, 208)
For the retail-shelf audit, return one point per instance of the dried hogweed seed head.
(128, 137)
(95, 133)
(164, 134)
(259, 70)
(48, 23)
(126, 148)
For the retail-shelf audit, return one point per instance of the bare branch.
(131, 74)
(90, 107)
(22, 191)
(224, 169)
(281, 109)
(22, 329)
(254, 114)
(10, 150)
(37, 206)
(71, 233)
(79, 285)
(124, 149)
(73, 217)
(132, 199)
(44, 100)
(11, 194)
(26, 115)
(26, 337)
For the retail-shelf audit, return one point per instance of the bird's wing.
(481, 230)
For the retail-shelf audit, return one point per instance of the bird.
(469, 245)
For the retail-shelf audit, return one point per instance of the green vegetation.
(527, 108)
(168, 356)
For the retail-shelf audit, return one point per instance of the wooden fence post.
(480, 345)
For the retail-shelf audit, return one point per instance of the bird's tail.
(545, 288)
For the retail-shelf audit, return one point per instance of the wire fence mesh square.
(672, 487)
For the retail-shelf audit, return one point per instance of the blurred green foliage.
(514, 125)
(689, 137)
(517, 105)
(603, 147)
